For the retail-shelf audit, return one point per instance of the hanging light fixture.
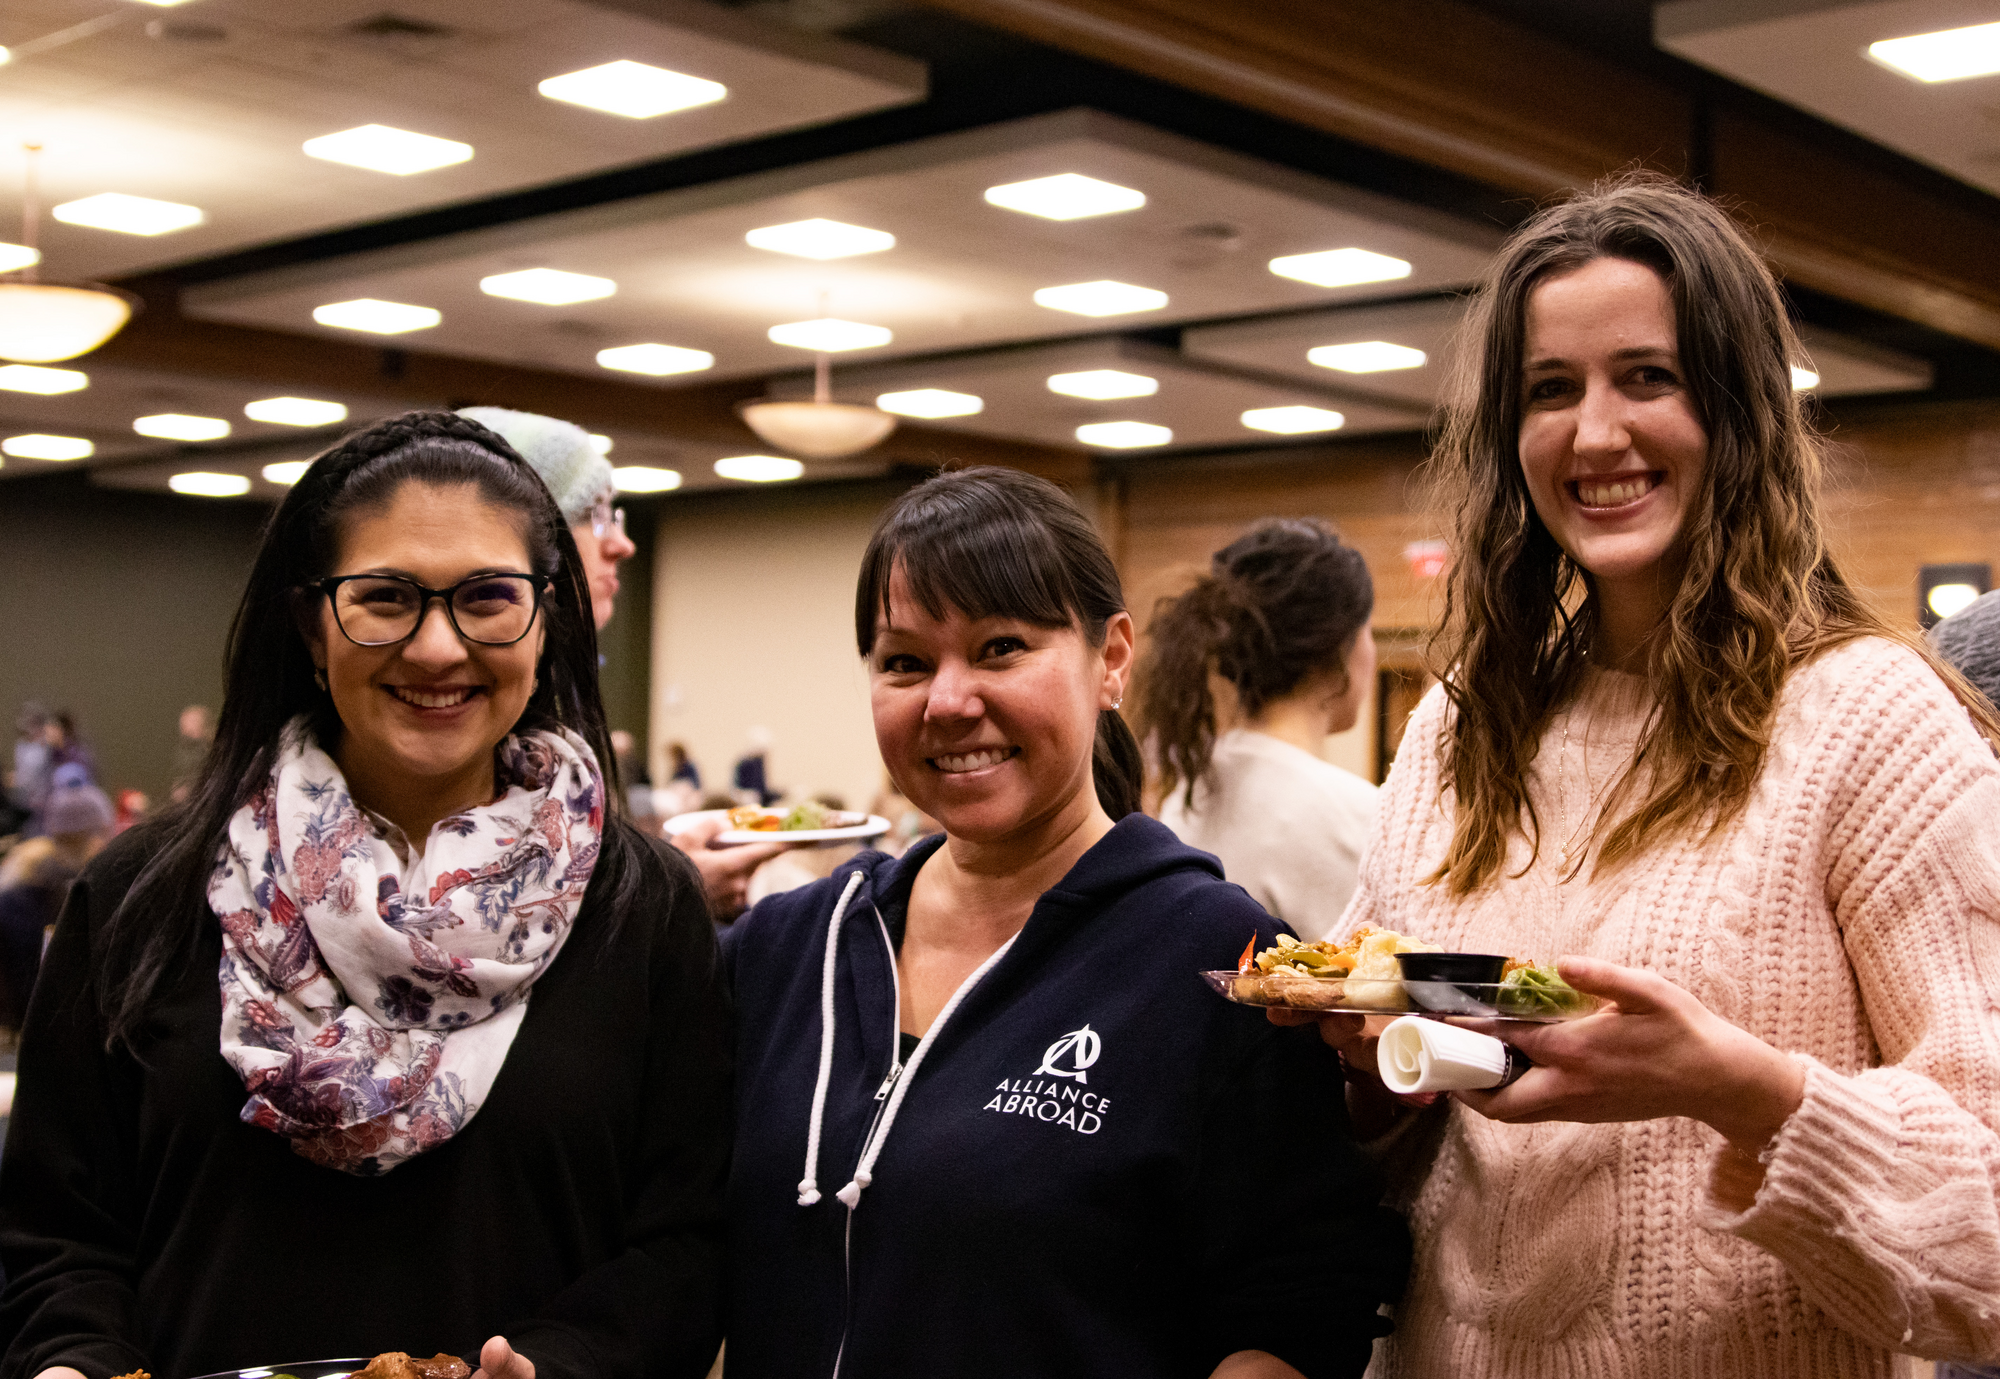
(821, 429)
(42, 323)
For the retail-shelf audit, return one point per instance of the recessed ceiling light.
(820, 239)
(36, 446)
(177, 426)
(30, 378)
(601, 444)
(657, 360)
(1340, 267)
(376, 316)
(633, 89)
(1100, 298)
(1123, 435)
(1367, 356)
(1944, 56)
(1293, 421)
(13, 256)
(1803, 379)
(548, 286)
(129, 215)
(830, 335)
(1103, 384)
(759, 469)
(202, 483)
(286, 472)
(1066, 196)
(1946, 600)
(295, 411)
(644, 478)
(380, 148)
(930, 403)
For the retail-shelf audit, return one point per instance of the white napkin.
(1419, 1055)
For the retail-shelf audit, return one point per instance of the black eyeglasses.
(380, 610)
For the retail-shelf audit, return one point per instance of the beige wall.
(753, 625)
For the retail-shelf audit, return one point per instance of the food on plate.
(395, 1364)
(810, 816)
(1295, 973)
(135, 1374)
(1536, 990)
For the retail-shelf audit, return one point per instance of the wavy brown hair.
(1759, 592)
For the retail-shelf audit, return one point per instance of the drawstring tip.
(851, 1194)
(808, 1193)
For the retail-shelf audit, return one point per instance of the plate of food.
(393, 1364)
(1378, 971)
(802, 823)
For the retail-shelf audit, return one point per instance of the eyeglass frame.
(613, 519)
(539, 586)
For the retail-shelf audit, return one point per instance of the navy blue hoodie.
(1097, 1167)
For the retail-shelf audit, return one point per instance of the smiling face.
(987, 724)
(1610, 444)
(420, 718)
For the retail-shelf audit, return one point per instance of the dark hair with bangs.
(268, 681)
(992, 542)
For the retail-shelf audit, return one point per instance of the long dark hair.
(269, 681)
(1284, 602)
(1760, 593)
(999, 543)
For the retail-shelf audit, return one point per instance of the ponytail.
(1117, 766)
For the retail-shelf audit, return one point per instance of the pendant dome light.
(821, 429)
(44, 323)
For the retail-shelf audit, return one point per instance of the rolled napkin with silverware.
(1420, 1055)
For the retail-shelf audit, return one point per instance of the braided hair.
(269, 680)
(1279, 605)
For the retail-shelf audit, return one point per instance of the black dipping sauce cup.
(1452, 983)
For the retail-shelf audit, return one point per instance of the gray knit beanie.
(75, 805)
(1970, 640)
(560, 451)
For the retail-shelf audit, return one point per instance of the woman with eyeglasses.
(394, 1035)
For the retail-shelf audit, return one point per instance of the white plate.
(874, 828)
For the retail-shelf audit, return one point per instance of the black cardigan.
(579, 1214)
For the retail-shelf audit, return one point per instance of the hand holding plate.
(499, 1360)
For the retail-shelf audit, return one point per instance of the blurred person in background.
(1282, 616)
(580, 480)
(28, 773)
(132, 807)
(681, 767)
(751, 777)
(196, 735)
(396, 1026)
(35, 878)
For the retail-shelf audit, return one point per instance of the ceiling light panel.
(1101, 298)
(114, 118)
(932, 404)
(657, 360)
(682, 256)
(1949, 55)
(296, 411)
(128, 215)
(177, 426)
(1297, 420)
(820, 239)
(830, 335)
(17, 256)
(202, 483)
(636, 90)
(380, 148)
(758, 469)
(547, 286)
(377, 317)
(1103, 384)
(1341, 267)
(645, 478)
(1803, 379)
(37, 445)
(602, 444)
(286, 472)
(1124, 435)
(1065, 196)
(32, 378)
(1366, 356)
(1391, 353)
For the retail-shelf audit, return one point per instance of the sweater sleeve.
(65, 1235)
(654, 1311)
(1881, 1193)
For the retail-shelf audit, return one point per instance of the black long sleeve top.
(143, 1224)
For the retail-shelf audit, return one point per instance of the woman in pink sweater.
(1675, 744)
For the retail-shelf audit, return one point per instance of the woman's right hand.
(725, 872)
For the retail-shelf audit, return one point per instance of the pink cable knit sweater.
(1850, 916)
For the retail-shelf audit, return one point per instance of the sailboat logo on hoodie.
(1063, 1102)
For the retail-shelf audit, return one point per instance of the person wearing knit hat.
(580, 481)
(76, 808)
(1970, 640)
(35, 877)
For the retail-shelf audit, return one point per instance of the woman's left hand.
(1660, 1053)
(499, 1360)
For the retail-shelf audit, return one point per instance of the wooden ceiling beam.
(1442, 83)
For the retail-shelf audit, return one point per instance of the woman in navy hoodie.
(989, 1121)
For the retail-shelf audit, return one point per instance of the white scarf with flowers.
(367, 1005)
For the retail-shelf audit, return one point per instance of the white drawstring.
(809, 1185)
(872, 1150)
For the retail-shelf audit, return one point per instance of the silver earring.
(319, 677)
(1119, 702)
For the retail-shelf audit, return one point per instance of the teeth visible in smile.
(1611, 495)
(972, 761)
(450, 699)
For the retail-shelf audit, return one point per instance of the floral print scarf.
(368, 1004)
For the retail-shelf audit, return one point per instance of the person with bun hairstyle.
(1282, 616)
(394, 1035)
(1674, 748)
(989, 1119)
